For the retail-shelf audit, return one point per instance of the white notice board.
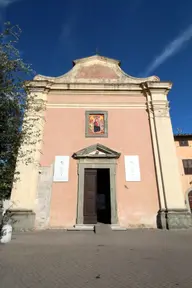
(61, 169)
(132, 169)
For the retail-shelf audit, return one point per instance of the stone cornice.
(50, 86)
(98, 105)
(86, 75)
(152, 87)
(159, 85)
(129, 88)
(99, 93)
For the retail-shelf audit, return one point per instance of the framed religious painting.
(96, 124)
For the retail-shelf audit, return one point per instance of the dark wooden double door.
(97, 206)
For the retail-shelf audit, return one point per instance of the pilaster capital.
(159, 87)
(157, 90)
(161, 112)
(40, 87)
(158, 109)
(161, 109)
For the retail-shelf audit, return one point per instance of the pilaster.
(175, 213)
(24, 189)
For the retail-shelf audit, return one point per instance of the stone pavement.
(135, 258)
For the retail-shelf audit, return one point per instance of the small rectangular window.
(183, 143)
(187, 165)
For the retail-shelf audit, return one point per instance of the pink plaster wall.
(96, 71)
(128, 133)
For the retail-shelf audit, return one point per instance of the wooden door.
(90, 191)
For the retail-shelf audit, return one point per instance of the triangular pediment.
(96, 151)
(95, 69)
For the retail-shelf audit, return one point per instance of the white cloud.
(66, 31)
(171, 49)
(6, 3)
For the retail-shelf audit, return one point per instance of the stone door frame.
(96, 163)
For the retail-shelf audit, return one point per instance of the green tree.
(15, 103)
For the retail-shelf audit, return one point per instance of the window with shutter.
(187, 165)
(183, 143)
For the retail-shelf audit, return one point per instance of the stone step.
(102, 228)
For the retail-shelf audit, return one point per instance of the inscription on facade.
(132, 169)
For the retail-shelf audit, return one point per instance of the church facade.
(106, 155)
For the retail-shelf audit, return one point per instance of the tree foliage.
(15, 103)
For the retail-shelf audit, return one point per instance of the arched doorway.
(189, 199)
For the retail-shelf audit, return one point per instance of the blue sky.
(148, 36)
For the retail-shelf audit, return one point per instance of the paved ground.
(140, 258)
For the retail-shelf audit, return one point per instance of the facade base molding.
(82, 227)
(95, 227)
(117, 227)
(23, 219)
(174, 219)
